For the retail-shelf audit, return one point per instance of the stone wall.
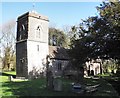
(92, 67)
(32, 44)
(21, 59)
(36, 57)
(34, 24)
(55, 66)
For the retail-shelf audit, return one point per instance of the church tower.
(31, 45)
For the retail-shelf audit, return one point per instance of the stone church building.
(32, 48)
(32, 44)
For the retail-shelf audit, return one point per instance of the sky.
(60, 14)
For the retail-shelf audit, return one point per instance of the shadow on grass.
(105, 89)
(37, 87)
(7, 74)
(115, 83)
(25, 88)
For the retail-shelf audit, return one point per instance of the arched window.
(54, 40)
(59, 66)
(23, 27)
(38, 31)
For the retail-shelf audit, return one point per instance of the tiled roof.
(56, 52)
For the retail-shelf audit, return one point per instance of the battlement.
(35, 15)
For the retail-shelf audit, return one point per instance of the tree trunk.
(50, 80)
(80, 75)
(49, 76)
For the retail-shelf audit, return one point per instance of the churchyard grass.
(38, 88)
(10, 72)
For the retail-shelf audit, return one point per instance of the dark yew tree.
(110, 13)
(97, 37)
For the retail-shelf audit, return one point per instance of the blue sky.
(59, 13)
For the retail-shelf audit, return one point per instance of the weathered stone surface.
(57, 84)
(21, 59)
(31, 45)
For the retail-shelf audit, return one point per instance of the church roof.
(58, 53)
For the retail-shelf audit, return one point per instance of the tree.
(7, 44)
(57, 37)
(68, 32)
(110, 13)
(79, 50)
(93, 37)
(109, 65)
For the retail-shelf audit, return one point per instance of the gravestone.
(57, 84)
(50, 80)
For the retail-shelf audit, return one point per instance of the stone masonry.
(31, 45)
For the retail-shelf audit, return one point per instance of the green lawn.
(10, 72)
(37, 88)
